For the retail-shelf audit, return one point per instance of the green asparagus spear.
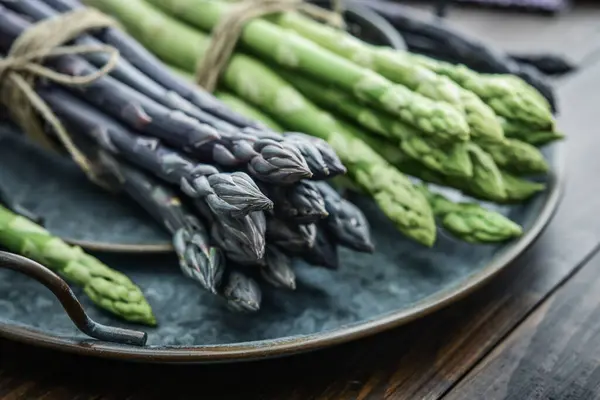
(453, 161)
(246, 109)
(516, 156)
(516, 130)
(107, 288)
(181, 46)
(470, 221)
(508, 95)
(515, 189)
(510, 154)
(480, 117)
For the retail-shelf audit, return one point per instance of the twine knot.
(23, 65)
(227, 32)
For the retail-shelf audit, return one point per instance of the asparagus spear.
(301, 203)
(291, 238)
(106, 287)
(504, 188)
(516, 156)
(509, 96)
(233, 194)
(181, 46)
(197, 259)
(241, 239)
(277, 269)
(453, 161)
(480, 117)
(346, 223)
(324, 253)
(241, 292)
(321, 159)
(516, 130)
(471, 222)
(330, 159)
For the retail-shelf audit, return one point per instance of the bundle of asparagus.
(438, 122)
(239, 198)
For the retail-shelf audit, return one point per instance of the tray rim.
(273, 348)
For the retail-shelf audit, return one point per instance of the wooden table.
(532, 333)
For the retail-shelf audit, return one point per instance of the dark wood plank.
(554, 354)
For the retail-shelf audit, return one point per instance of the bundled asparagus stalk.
(320, 160)
(227, 194)
(106, 288)
(197, 259)
(266, 159)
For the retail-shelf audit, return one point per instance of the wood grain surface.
(554, 354)
(532, 333)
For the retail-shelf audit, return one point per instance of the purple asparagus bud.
(301, 203)
(198, 260)
(346, 223)
(241, 239)
(242, 293)
(329, 156)
(324, 253)
(277, 269)
(274, 162)
(290, 237)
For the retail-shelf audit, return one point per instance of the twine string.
(23, 66)
(227, 32)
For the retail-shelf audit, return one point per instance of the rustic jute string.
(226, 33)
(23, 65)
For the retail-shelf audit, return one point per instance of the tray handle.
(71, 305)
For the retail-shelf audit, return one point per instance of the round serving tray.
(400, 282)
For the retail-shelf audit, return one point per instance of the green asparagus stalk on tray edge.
(471, 222)
(182, 46)
(480, 117)
(106, 287)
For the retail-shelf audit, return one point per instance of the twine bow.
(23, 66)
(226, 33)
